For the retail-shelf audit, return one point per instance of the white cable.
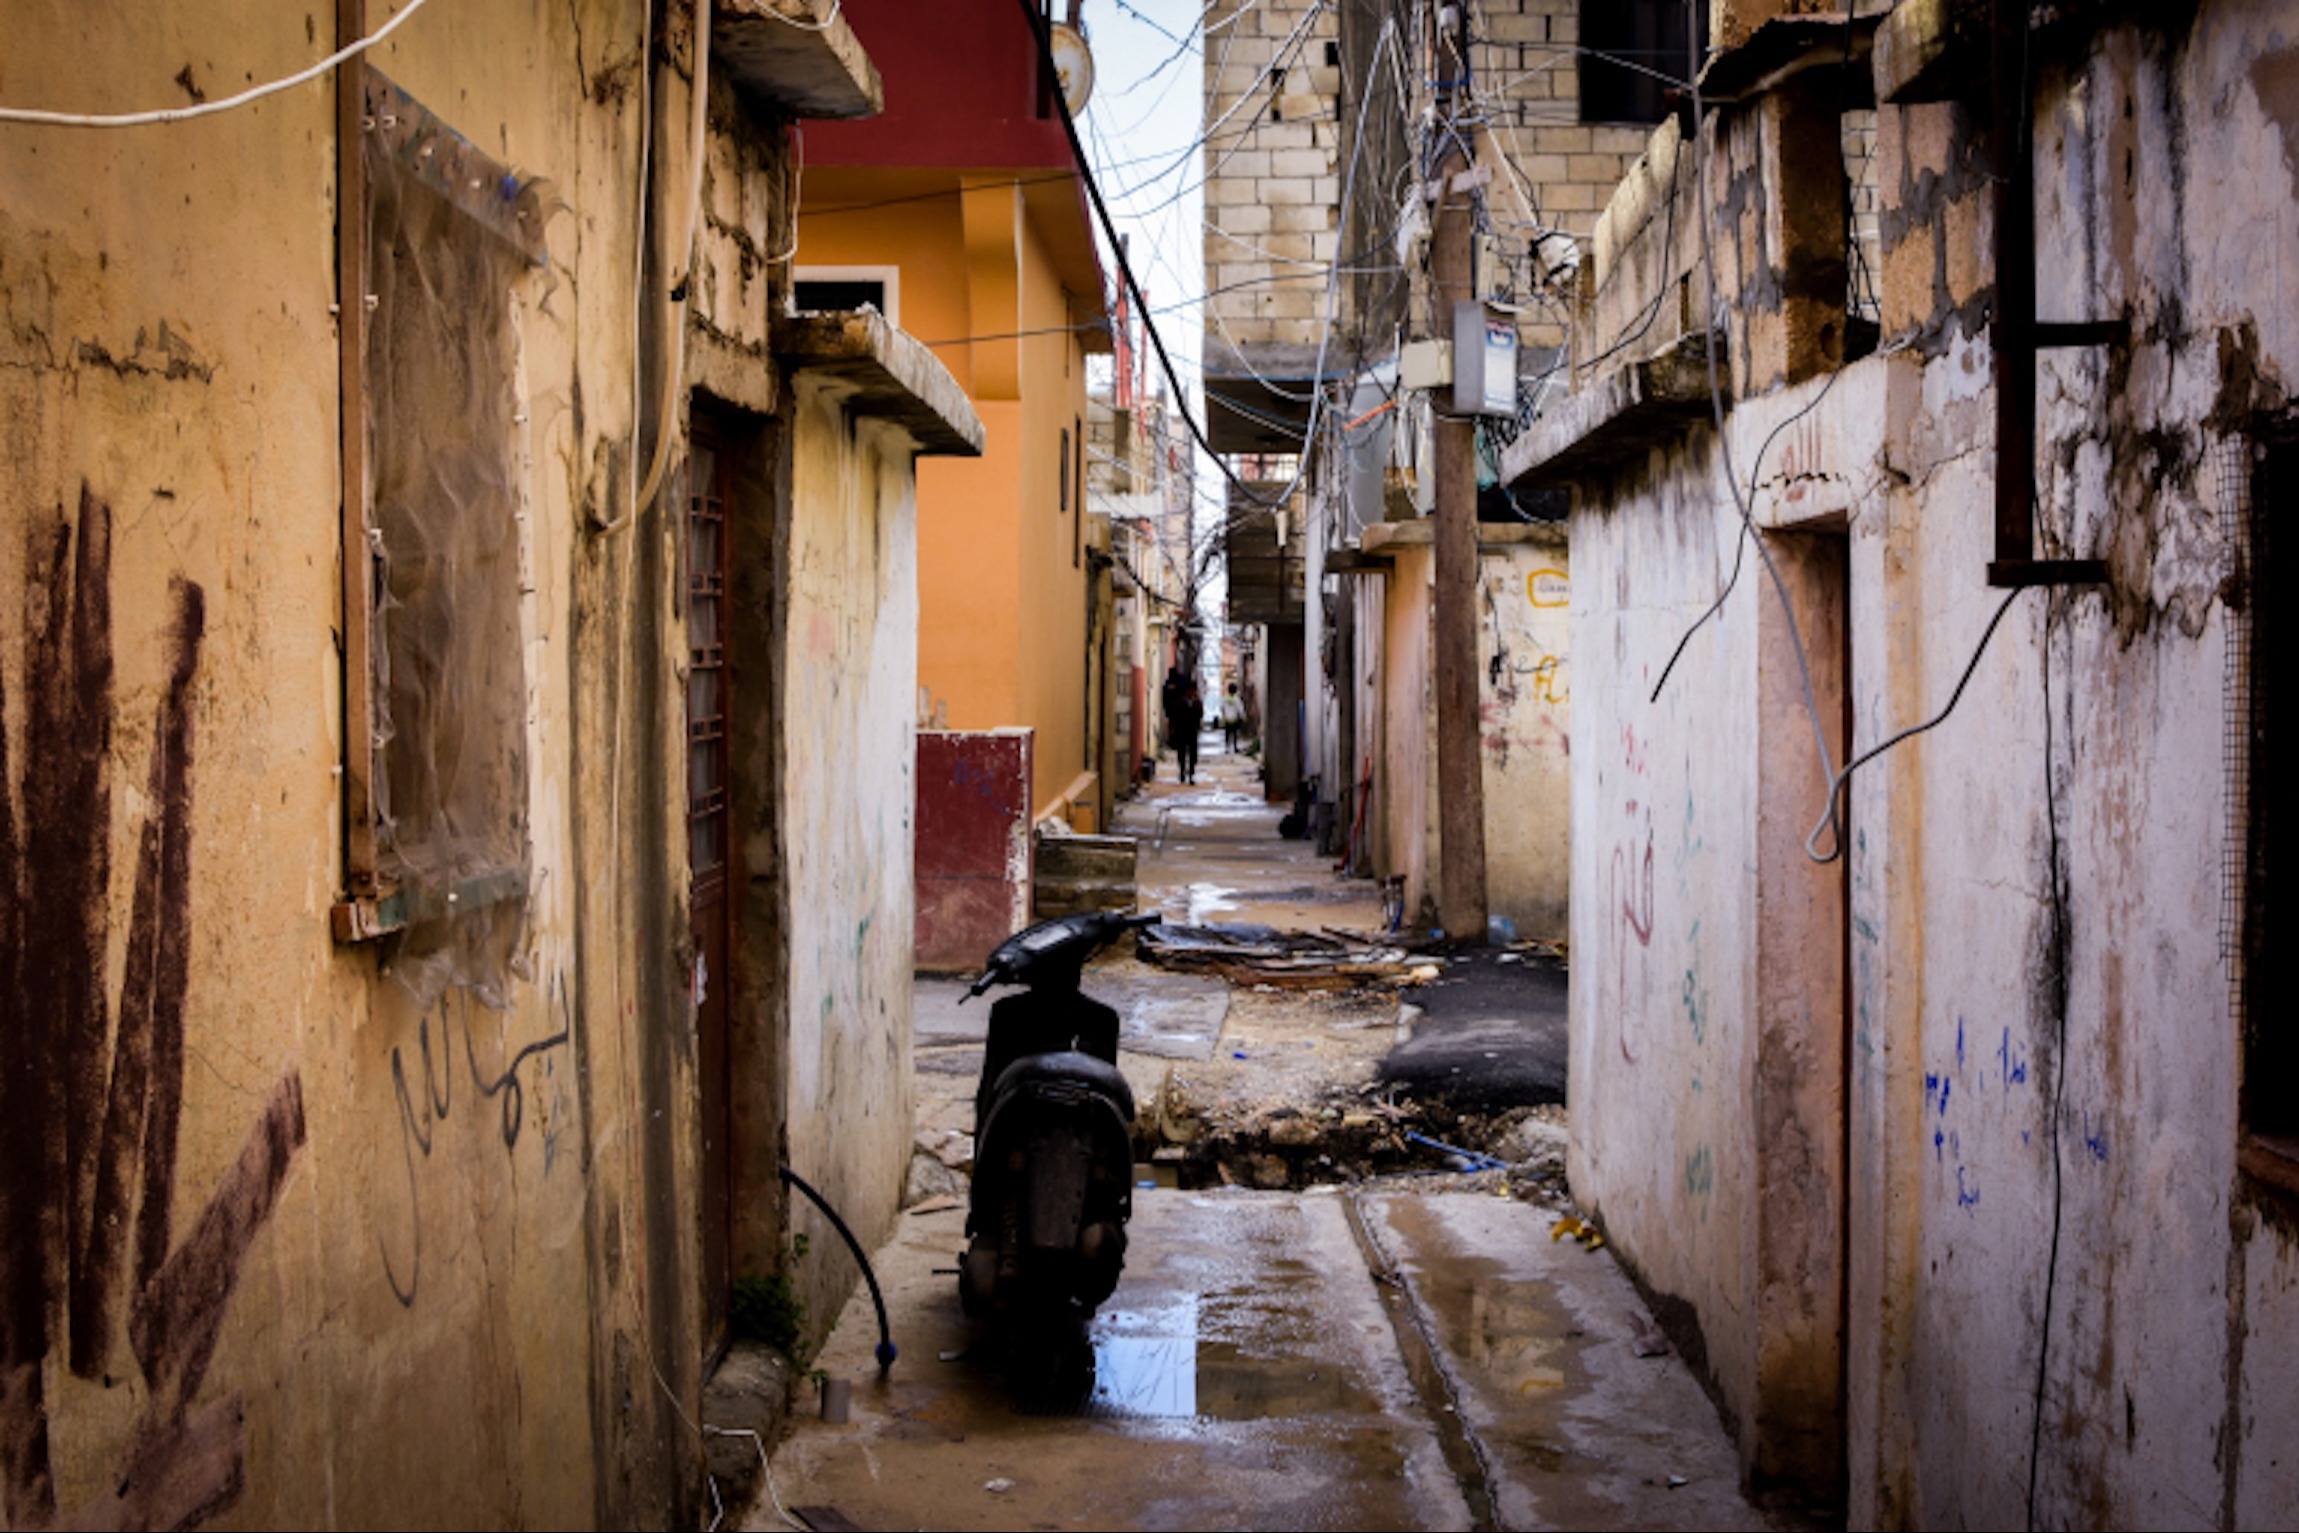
(210, 108)
(824, 25)
(675, 373)
(765, 1469)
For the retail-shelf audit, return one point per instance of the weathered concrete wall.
(973, 844)
(1525, 711)
(1524, 697)
(1405, 799)
(1002, 546)
(379, 1262)
(848, 797)
(2044, 1237)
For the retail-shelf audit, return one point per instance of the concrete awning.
(890, 375)
(1783, 47)
(1350, 561)
(1636, 407)
(1492, 537)
(1257, 398)
(796, 56)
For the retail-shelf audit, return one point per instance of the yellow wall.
(456, 1276)
(1001, 572)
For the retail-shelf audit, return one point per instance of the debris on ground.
(1247, 954)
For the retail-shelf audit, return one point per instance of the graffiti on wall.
(92, 1093)
(421, 1112)
(1527, 684)
(1628, 891)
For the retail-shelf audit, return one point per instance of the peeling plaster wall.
(1663, 918)
(2036, 1010)
(419, 1267)
(847, 804)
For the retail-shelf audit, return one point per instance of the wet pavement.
(1386, 1354)
(1282, 1360)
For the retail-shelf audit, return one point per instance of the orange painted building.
(961, 213)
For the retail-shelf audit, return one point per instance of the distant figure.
(1188, 723)
(1232, 718)
(1171, 696)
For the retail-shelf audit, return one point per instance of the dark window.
(821, 297)
(1065, 490)
(1634, 56)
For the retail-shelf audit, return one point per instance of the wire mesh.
(1862, 230)
(2231, 464)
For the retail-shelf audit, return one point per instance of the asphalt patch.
(1491, 1033)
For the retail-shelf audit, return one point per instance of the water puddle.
(1152, 1362)
(1209, 900)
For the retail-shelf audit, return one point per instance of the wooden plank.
(359, 853)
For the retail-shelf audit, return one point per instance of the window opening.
(437, 846)
(822, 297)
(828, 289)
(1632, 57)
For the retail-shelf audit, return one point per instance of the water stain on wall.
(92, 1092)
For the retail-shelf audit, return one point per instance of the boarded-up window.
(450, 236)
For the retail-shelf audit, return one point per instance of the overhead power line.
(1038, 30)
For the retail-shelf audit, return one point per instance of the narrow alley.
(1354, 1347)
(1147, 763)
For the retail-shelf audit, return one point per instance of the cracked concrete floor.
(1390, 1356)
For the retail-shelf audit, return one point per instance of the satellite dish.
(1073, 66)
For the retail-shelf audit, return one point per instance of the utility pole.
(1460, 736)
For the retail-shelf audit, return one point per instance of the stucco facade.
(1525, 718)
(959, 193)
(335, 1198)
(1951, 1161)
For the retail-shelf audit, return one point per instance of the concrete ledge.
(1638, 407)
(1349, 561)
(797, 56)
(890, 373)
(1932, 50)
(1492, 537)
(1783, 47)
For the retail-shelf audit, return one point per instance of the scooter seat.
(1067, 1068)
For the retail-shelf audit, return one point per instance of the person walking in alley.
(1232, 718)
(1188, 722)
(1172, 694)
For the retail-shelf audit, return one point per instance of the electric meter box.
(1484, 360)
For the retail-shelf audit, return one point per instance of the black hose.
(885, 1337)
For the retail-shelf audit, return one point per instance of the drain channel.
(1464, 1452)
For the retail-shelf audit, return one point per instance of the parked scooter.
(1053, 1148)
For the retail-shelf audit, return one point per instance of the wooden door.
(709, 837)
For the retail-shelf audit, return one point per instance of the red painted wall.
(961, 81)
(973, 856)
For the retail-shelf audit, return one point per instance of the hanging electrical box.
(1484, 359)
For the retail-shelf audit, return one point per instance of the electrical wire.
(1125, 269)
(2059, 1075)
(210, 108)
